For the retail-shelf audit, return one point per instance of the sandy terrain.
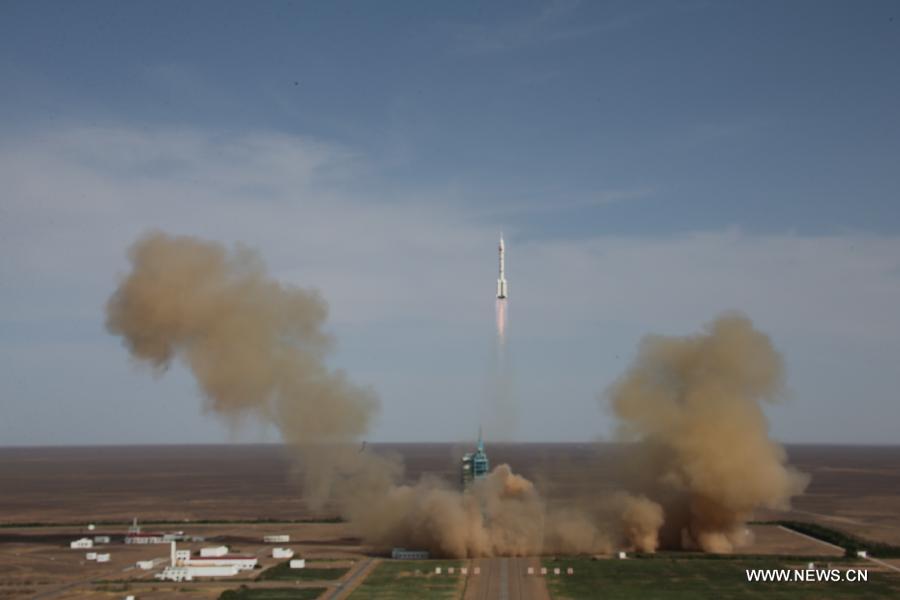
(856, 485)
(853, 488)
(774, 539)
(157, 482)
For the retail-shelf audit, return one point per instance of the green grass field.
(398, 580)
(284, 572)
(677, 579)
(272, 594)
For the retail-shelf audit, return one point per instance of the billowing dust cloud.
(257, 349)
(703, 453)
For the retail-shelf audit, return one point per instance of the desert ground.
(226, 493)
(856, 488)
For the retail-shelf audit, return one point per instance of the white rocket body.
(501, 281)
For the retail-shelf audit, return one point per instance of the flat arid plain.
(234, 495)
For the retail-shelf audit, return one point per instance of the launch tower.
(474, 465)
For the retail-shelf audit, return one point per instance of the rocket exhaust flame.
(502, 292)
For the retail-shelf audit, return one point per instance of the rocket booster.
(501, 281)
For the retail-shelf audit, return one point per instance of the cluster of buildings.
(86, 542)
(100, 557)
(212, 562)
(136, 536)
(218, 561)
(296, 563)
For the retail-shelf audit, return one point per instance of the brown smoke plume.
(257, 348)
(704, 454)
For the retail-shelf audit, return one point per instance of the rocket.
(501, 281)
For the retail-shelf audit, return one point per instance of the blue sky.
(652, 165)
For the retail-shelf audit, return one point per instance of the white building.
(214, 551)
(91, 556)
(203, 566)
(298, 563)
(144, 565)
(243, 562)
(145, 538)
(82, 543)
(102, 558)
(282, 553)
(280, 538)
(188, 573)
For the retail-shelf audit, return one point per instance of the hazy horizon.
(650, 165)
(460, 443)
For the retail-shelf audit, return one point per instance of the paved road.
(506, 579)
(346, 586)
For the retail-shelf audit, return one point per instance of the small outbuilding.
(214, 551)
(404, 554)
